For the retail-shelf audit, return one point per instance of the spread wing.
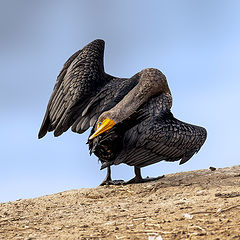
(111, 94)
(81, 77)
(161, 138)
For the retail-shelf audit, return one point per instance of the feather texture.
(80, 78)
(146, 132)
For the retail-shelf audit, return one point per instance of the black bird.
(131, 117)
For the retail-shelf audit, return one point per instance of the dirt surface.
(202, 204)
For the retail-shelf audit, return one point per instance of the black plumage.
(145, 131)
(148, 137)
(81, 77)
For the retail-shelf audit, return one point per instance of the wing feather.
(80, 78)
(162, 138)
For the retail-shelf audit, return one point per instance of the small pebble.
(157, 237)
(219, 210)
(212, 168)
(188, 216)
(199, 193)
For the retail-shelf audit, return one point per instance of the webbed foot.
(108, 180)
(142, 180)
(112, 182)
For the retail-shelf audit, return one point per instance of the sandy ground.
(201, 204)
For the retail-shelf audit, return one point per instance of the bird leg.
(108, 179)
(138, 177)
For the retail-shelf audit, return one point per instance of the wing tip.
(99, 41)
(44, 127)
(186, 157)
(57, 133)
(41, 134)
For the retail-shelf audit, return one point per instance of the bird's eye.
(98, 125)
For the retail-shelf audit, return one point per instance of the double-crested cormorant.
(131, 117)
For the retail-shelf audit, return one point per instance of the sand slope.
(200, 204)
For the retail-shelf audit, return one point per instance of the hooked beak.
(106, 125)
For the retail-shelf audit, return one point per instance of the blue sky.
(196, 44)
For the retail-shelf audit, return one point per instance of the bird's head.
(104, 124)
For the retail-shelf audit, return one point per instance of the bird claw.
(142, 180)
(112, 182)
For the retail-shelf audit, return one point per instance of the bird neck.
(151, 82)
